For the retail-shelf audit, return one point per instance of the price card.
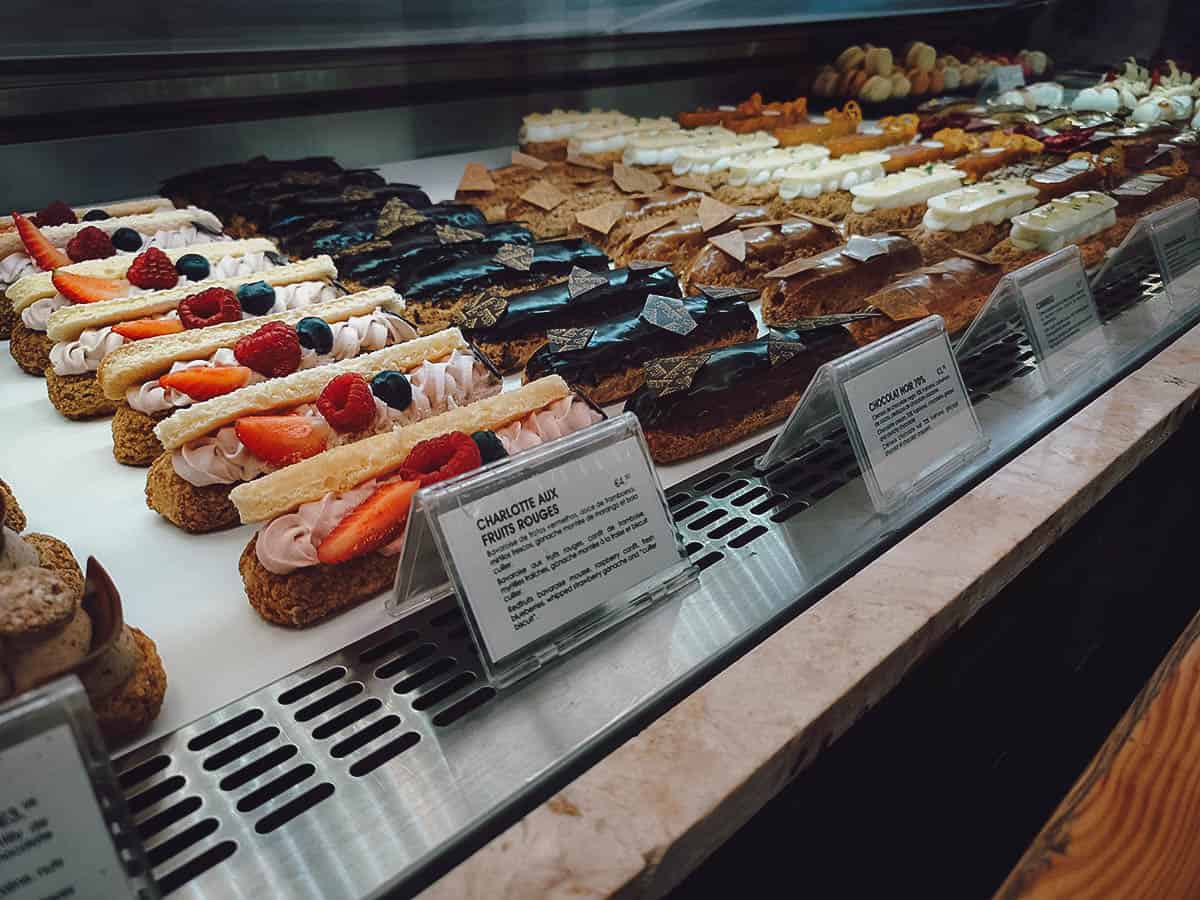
(905, 408)
(910, 412)
(1175, 233)
(1060, 314)
(61, 816)
(553, 546)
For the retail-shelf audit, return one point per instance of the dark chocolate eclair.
(293, 214)
(335, 236)
(584, 298)
(512, 264)
(1137, 194)
(707, 390)
(381, 262)
(215, 179)
(585, 357)
(259, 201)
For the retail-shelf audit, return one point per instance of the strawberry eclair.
(334, 523)
(153, 378)
(85, 333)
(214, 445)
(34, 297)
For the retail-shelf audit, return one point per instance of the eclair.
(819, 129)
(743, 257)
(955, 289)
(605, 362)
(822, 188)
(85, 333)
(973, 218)
(392, 261)
(545, 135)
(333, 524)
(205, 187)
(696, 403)
(679, 239)
(890, 130)
(212, 446)
(61, 213)
(395, 224)
(288, 217)
(1080, 218)
(753, 178)
(837, 280)
(898, 201)
(436, 293)
(153, 378)
(1002, 150)
(35, 297)
(509, 329)
(27, 249)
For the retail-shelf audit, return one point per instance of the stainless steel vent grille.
(240, 802)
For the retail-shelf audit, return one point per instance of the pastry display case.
(428, 238)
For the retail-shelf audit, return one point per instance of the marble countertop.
(644, 817)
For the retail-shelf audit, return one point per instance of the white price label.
(53, 840)
(535, 556)
(1060, 308)
(1179, 245)
(1008, 77)
(911, 411)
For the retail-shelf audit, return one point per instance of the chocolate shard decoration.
(544, 195)
(713, 213)
(635, 181)
(650, 225)
(580, 281)
(817, 220)
(811, 323)
(721, 292)
(515, 256)
(564, 340)
(396, 215)
(529, 162)
(638, 264)
(975, 257)
(795, 267)
(601, 218)
(484, 312)
(780, 351)
(861, 248)
(452, 234)
(671, 374)
(732, 243)
(368, 247)
(576, 160)
(357, 193)
(476, 177)
(691, 183)
(668, 313)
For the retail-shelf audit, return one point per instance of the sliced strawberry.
(206, 382)
(147, 328)
(281, 440)
(374, 522)
(44, 253)
(87, 288)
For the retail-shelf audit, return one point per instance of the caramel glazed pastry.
(508, 330)
(435, 294)
(692, 404)
(838, 280)
(605, 362)
(46, 631)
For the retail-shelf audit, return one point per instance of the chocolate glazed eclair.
(510, 329)
(435, 294)
(395, 225)
(692, 404)
(604, 362)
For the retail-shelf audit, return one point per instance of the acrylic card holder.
(548, 550)
(1175, 234)
(905, 408)
(66, 829)
(1050, 298)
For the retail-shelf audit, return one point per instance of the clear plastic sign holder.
(66, 829)
(905, 408)
(1175, 234)
(1131, 261)
(1052, 301)
(547, 550)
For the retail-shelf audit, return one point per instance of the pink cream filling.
(290, 542)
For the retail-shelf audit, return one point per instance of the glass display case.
(366, 755)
